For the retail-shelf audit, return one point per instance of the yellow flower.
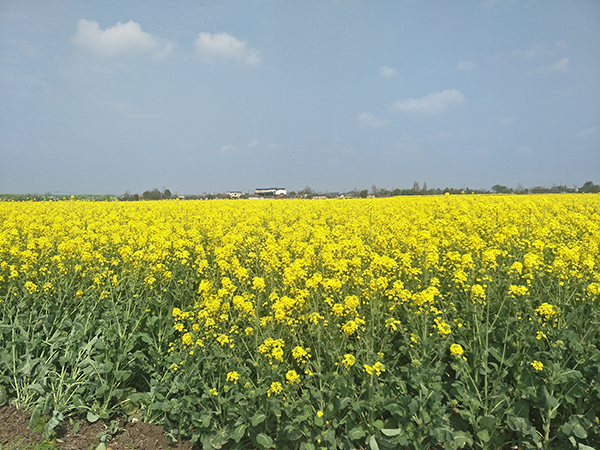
(291, 376)
(187, 340)
(31, 287)
(348, 361)
(458, 351)
(320, 413)
(300, 355)
(214, 392)
(275, 388)
(540, 335)
(477, 293)
(349, 327)
(442, 327)
(538, 366)
(233, 376)
(376, 368)
(258, 284)
(546, 311)
(338, 309)
(517, 291)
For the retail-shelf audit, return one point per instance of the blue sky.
(209, 96)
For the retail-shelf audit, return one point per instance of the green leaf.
(91, 417)
(356, 433)
(264, 440)
(580, 432)
(488, 422)
(521, 409)
(345, 402)
(391, 431)
(319, 421)
(493, 351)
(258, 418)
(584, 447)
(484, 435)
(37, 388)
(238, 433)
(373, 443)
(101, 446)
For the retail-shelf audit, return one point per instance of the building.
(270, 192)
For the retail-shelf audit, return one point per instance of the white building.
(270, 192)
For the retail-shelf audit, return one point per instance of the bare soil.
(15, 434)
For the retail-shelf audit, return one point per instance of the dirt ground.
(15, 434)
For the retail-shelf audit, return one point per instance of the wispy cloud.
(507, 121)
(122, 39)
(368, 120)
(224, 47)
(466, 66)
(588, 132)
(387, 72)
(433, 103)
(253, 143)
(228, 149)
(560, 66)
(407, 144)
(561, 44)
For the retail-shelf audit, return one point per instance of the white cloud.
(508, 121)
(560, 66)
(368, 120)
(588, 132)
(226, 149)
(466, 66)
(223, 46)
(387, 72)
(433, 103)
(562, 44)
(253, 143)
(122, 39)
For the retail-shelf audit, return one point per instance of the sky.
(212, 96)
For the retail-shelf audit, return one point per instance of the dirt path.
(15, 434)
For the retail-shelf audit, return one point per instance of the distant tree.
(589, 188)
(499, 189)
(539, 190)
(363, 193)
(167, 194)
(154, 194)
(306, 192)
(425, 186)
(416, 186)
(374, 190)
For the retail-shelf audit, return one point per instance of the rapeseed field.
(410, 322)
